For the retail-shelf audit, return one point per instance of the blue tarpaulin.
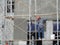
(55, 27)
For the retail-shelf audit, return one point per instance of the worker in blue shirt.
(40, 27)
(32, 26)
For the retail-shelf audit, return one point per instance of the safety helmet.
(38, 17)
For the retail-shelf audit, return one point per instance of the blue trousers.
(41, 33)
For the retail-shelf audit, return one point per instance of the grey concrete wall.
(21, 7)
(43, 6)
(20, 29)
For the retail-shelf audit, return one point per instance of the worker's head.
(38, 17)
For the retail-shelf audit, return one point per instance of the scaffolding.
(29, 17)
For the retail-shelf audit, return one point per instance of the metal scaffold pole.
(35, 23)
(57, 21)
(30, 22)
(11, 7)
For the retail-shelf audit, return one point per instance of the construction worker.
(40, 27)
(31, 32)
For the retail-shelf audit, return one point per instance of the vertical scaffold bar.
(30, 22)
(57, 21)
(11, 7)
(6, 8)
(35, 23)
